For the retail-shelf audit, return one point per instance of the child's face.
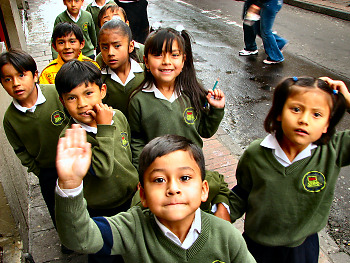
(115, 48)
(109, 15)
(305, 117)
(20, 86)
(81, 100)
(166, 66)
(73, 6)
(68, 47)
(173, 188)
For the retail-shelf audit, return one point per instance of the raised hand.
(73, 158)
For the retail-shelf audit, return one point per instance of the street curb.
(318, 8)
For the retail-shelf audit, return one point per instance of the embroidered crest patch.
(124, 139)
(57, 117)
(314, 181)
(85, 26)
(190, 115)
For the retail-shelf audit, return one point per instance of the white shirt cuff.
(69, 192)
(214, 207)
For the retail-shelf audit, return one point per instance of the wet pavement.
(221, 152)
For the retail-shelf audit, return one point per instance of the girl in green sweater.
(285, 183)
(170, 100)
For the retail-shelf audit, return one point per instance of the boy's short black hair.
(74, 73)
(19, 59)
(64, 29)
(166, 144)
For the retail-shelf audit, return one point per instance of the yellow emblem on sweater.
(124, 139)
(314, 181)
(85, 26)
(57, 117)
(190, 115)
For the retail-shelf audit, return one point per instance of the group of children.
(114, 118)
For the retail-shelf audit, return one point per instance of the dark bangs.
(155, 43)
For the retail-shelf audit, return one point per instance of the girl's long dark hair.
(284, 89)
(186, 83)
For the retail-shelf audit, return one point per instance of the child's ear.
(143, 196)
(82, 44)
(279, 118)
(103, 91)
(145, 59)
(205, 191)
(36, 76)
(54, 46)
(131, 46)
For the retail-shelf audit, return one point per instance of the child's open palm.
(73, 157)
(216, 98)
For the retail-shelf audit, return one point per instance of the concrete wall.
(13, 175)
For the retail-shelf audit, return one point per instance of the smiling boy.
(68, 41)
(83, 19)
(173, 229)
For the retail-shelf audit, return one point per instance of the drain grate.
(1, 254)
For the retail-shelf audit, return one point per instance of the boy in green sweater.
(172, 186)
(112, 179)
(33, 121)
(84, 20)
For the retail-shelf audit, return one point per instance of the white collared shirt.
(72, 17)
(135, 68)
(192, 234)
(160, 95)
(40, 100)
(271, 142)
(99, 6)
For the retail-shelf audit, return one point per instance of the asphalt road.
(319, 46)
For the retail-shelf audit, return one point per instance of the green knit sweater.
(118, 95)
(34, 136)
(111, 179)
(87, 25)
(136, 236)
(284, 205)
(150, 117)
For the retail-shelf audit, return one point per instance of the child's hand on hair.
(340, 86)
(73, 157)
(216, 98)
(102, 113)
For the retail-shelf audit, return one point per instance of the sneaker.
(244, 52)
(270, 62)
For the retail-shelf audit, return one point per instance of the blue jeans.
(263, 28)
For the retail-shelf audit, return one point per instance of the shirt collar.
(160, 95)
(192, 234)
(96, 5)
(40, 100)
(72, 17)
(88, 128)
(271, 142)
(134, 68)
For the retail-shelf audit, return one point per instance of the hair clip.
(295, 79)
(335, 91)
(179, 28)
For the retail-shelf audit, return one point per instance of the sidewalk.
(221, 153)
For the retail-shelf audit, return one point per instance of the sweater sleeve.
(138, 141)
(26, 159)
(103, 153)
(92, 31)
(210, 122)
(239, 193)
(100, 235)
